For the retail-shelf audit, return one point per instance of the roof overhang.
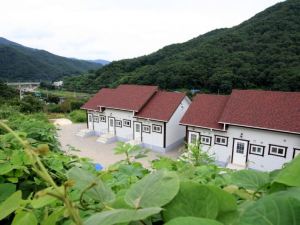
(209, 128)
(261, 128)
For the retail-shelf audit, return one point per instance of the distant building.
(58, 84)
(138, 114)
(247, 129)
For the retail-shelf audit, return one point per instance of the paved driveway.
(98, 152)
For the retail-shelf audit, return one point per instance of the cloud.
(116, 29)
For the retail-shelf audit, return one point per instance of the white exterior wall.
(176, 132)
(153, 140)
(124, 133)
(254, 136)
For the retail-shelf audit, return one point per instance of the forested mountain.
(262, 52)
(20, 63)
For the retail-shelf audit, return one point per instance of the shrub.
(78, 116)
(30, 104)
(76, 104)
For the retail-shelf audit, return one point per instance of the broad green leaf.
(282, 208)
(24, 218)
(226, 201)
(192, 221)
(250, 179)
(193, 199)
(84, 179)
(7, 167)
(154, 190)
(117, 216)
(10, 204)
(42, 199)
(6, 190)
(289, 175)
(54, 217)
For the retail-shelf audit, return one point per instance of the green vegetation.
(20, 63)
(263, 52)
(39, 184)
(78, 116)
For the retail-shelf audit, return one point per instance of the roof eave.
(262, 128)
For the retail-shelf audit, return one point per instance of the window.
(257, 150)
(206, 140)
(146, 129)
(90, 118)
(127, 123)
(157, 128)
(102, 118)
(138, 127)
(96, 119)
(118, 123)
(240, 147)
(277, 150)
(194, 138)
(221, 140)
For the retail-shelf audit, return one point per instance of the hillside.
(262, 52)
(20, 63)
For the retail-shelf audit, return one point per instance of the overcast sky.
(117, 29)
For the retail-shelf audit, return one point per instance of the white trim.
(130, 110)
(144, 118)
(262, 128)
(190, 125)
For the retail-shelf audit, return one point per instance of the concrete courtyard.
(98, 152)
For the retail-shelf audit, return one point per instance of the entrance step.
(235, 166)
(107, 138)
(85, 133)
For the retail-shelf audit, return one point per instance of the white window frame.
(127, 123)
(102, 118)
(225, 143)
(90, 118)
(272, 147)
(118, 123)
(146, 129)
(154, 128)
(204, 137)
(253, 149)
(96, 119)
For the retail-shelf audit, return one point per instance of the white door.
(90, 122)
(111, 126)
(137, 131)
(193, 137)
(240, 149)
(296, 152)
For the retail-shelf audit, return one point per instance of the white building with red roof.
(247, 129)
(138, 114)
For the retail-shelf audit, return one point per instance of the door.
(193, 137)
(240, 149)
(90, 122)
(111, 125)
(137, 131)
(296, 152)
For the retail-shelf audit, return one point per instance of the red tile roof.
(263, 109)
(271, 110)
(205, 111)
(126, 97)
(161, 106)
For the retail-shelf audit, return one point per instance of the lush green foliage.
(20, 63)
(78, 116)
(41, 185)
(263, 52)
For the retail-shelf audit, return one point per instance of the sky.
(117, 29)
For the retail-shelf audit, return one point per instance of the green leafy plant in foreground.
(63, 190)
